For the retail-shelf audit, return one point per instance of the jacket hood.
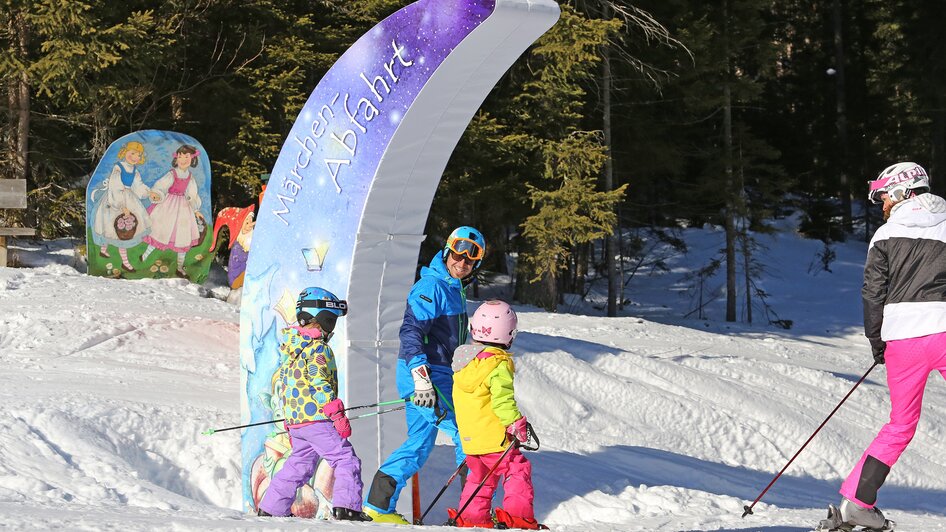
(438, 269)
(925, 210)
(296, 336)
(463, 354)
(479, 368)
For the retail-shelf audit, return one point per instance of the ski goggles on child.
(339, 308)
(465, 246)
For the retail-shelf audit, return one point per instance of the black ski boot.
(263, 513)
(346, 514)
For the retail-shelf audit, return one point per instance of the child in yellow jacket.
(489, 420)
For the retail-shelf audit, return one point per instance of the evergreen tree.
(71, 71)
(553, 102)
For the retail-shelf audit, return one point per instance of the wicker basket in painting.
(125, 226)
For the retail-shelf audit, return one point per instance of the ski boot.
(458, 521)
(386, 517)
(347, 514)
(505, 521)
(849, 516)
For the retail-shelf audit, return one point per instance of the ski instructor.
(905, 320)
(435, 324)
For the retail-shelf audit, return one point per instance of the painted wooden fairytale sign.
(148, 209)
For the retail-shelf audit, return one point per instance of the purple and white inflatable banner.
(349, 196)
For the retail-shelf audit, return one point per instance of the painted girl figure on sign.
(120, 218)
(175, 213)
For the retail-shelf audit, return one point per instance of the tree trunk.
(730, 207)
(177, 108)
(938, 144)
(609, 242)
(620, 265)
(841, 121)
(10, 135)
(542, 293)
(581, 266)
(730, 187)
(746, 261)
(21, 162)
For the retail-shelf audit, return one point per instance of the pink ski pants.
(909, 363)
(517, 486)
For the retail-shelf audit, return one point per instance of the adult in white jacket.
(904, 297)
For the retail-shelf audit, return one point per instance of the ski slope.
(649, 421)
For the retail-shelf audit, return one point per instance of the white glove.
(424, 394)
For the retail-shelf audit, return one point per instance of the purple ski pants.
(909, 363)
(516, 472)
(309, 442)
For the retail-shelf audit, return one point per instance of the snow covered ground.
(649, 421)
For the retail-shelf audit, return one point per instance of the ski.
(834, 523)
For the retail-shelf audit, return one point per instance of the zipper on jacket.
(462, 333)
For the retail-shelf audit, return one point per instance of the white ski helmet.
(900, 181)
(495, 323)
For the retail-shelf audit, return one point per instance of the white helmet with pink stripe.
(494, 323)
(899, 181)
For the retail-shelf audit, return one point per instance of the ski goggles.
(897, 192)
(341, 307)
(465, 246)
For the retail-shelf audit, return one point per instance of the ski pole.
(441, 415)
(378, 413)
(415, 497)
(453, 520)
(532, 437)
(443, 489)
(209, 432)
(748, 507)
(383, 403)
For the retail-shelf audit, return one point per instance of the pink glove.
(519, 429)
(335, 411)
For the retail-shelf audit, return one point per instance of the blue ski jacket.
(435, 323)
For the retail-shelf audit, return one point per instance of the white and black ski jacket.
(905, 275)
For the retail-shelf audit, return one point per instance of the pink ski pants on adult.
(909, 363)
(516, 472)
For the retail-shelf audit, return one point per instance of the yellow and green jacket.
(485, 402)
(308, 376)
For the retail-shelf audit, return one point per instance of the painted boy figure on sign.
(120, 218)
(175, 215)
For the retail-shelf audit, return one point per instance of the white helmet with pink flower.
(494, 323)
(900, 181)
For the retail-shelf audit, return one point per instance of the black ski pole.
(443, 489)
(383, 403)
(209, 432)
(453, 520)
(748, 507)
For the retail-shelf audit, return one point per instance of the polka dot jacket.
(309, 376)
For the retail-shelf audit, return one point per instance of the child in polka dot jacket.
(314, 415)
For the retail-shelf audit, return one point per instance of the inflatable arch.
(349, 197)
